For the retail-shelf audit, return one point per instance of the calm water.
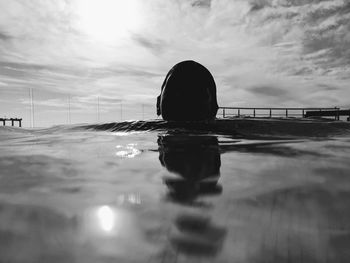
(113, 194)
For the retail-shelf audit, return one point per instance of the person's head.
(188, 93)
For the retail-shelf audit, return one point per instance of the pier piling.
(13, 120)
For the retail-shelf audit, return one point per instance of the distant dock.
(229, 112)
(12, 120)
(329, 113)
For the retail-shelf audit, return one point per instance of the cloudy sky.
(260, 52)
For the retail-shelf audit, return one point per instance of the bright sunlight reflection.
(108, 20)
(128, 151)
(106, 218)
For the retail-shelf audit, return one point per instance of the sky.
(76, 53)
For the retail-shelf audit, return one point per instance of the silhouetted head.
(188, 93)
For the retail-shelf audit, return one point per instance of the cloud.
(257, 5)
(321, 27)
(4, 36)
(154, 45)
(269, 91)
(266, 52)
(201, 3)
(328, 87)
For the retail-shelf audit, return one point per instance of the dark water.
(239, 191)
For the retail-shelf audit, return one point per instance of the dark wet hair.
(188, 93)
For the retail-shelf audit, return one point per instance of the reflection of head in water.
(196, 160)
(198, 235)
(188, 93)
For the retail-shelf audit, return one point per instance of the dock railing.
(230, 112)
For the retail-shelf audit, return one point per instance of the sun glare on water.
(106, 218)
(108, 20)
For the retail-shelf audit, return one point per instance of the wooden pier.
(229, 112)
(329, 113)
(12, 120)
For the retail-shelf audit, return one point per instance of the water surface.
(104, 193)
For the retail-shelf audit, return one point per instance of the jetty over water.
(12, 120)
(229, 112)
(326, 113)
